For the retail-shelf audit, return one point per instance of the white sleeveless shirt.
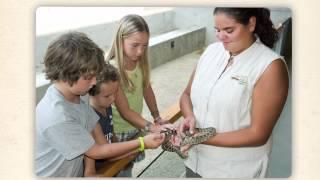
(225, 103)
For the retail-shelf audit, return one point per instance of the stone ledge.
(160, 51)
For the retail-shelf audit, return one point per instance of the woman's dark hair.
(264, 26)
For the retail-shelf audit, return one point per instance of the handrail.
(110, 169)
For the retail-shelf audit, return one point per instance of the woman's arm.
(268, 99)
(186, 108)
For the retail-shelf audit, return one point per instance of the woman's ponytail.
(264, 27)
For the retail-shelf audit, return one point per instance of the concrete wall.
(160, 22)
(186, 17)
(102, 34)
(174, 44)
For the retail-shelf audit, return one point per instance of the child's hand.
(153, 140)
(158, 128)
(168, 126)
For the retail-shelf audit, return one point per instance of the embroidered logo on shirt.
(241, 79)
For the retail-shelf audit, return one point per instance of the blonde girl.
(129, 53)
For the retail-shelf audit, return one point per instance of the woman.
(239, 87)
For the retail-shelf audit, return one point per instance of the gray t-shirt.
(62, 135)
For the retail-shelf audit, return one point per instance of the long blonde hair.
(129, 24)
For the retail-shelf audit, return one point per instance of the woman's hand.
(153, 140)
(187, 124)
(184, 149)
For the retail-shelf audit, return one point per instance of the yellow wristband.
(141, 148)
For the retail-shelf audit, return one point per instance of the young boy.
(64, 121)
(102, 95)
